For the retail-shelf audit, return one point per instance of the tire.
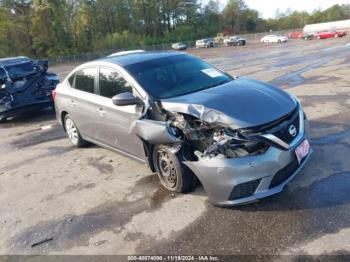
(174, 176)
(73, 132)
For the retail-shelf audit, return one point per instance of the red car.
(325, 35)
(295, 35)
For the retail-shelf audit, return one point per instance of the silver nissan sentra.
(189, 121)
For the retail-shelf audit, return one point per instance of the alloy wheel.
(72, 131)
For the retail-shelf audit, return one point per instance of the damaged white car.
(189, 121)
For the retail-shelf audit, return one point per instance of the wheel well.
(63, 115)
(149, 154)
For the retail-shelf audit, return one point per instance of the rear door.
(81, 102)
(116, 123)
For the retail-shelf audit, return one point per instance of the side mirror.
(126, 99)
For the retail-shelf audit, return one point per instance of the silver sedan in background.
(189, 121)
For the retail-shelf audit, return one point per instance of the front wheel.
(73, 132)
(173, 175)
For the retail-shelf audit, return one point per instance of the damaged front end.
(235, 165)
(211, 140)
(24, 85)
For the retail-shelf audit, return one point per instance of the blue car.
(25, 85)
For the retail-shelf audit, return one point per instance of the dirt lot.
(55, 199)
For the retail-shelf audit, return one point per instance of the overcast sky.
(268, 8)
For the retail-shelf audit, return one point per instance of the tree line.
(50, 28)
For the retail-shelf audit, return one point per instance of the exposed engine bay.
(211, 140)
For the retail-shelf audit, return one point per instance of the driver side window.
(111, 83)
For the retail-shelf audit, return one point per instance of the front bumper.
(261, 175)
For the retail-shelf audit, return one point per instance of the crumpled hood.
(240, 103)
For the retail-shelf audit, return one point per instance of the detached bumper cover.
(257, 176)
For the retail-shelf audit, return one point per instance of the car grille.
(244, 189)
(279, 128)
(283, 132)
(285, 173)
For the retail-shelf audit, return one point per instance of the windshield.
(176, 75)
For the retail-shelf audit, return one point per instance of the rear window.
(22, 69)
(85, 80)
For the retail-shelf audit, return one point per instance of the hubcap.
(167, 169)
(72, 131)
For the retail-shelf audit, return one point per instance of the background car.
(274, 39)
(25, 85)
(308, 36)
(179, 46)
(235, 41)
(325, 35)
(204, 43)
(295, 35)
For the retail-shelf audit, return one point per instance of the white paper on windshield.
(212, 72)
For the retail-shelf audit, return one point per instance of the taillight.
(53, 94)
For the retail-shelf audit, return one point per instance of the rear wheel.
(173, 175)
(73, 132)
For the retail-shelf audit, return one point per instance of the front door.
(116, 123)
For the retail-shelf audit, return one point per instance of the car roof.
(14, 60)
(138, 57)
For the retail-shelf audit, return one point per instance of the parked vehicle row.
(318, 35)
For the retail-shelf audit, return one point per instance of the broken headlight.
(232, 144)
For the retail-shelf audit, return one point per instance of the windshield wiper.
(216, 84)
